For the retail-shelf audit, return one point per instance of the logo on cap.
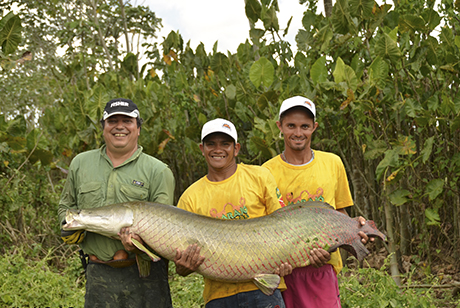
(121, 106)
(115, 104)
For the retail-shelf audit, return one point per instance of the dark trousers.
(123, 288)
(251, 299)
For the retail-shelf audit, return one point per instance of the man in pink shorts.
(304, 174)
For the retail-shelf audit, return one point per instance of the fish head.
(106, 220)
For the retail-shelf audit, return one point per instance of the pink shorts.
(309, 287)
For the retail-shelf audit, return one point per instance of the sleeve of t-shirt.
(271, 189)
(184, 203)
(343, 195)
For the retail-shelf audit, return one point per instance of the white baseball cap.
(298, 101)
(219, 126)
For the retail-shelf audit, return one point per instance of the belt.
(120, 260)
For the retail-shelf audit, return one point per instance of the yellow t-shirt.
(250, 192)
(323, 179)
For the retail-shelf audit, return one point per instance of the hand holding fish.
(189, 260)
(319, 257)
(125, 235)
(364, 237)
(284, 270)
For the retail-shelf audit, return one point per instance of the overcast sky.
(224, 21)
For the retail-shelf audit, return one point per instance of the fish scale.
(236, 250)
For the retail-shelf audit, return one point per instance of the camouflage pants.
(121, 287)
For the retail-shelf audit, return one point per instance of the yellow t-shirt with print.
(323, 179)
(250, 192)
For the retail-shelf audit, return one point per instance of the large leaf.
(45, 157)
(253, 10)
(270, 19)
(10, 35)
(362, 8)
(434, 188)
(378, 72)
(412, 107)
(324, 37)
(230, 91)
(341, 17)
(457, 41)
(399, 196)
(432, 217)
(318, 72)
(386, 47)
(433, 102)
(390, 160)
(432, 18)
(262, 146)
(262, 72)
(219, 62)
(432, 46)
(303, 39)
(5, 18)
(427, 149)
(344, 73)
(411, 23)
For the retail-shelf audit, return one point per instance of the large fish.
(235, 250)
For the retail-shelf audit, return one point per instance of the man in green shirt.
(118, 172)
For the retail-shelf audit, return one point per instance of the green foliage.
(10, 33)
(29, 282)
(186, 291)
(368, 287)
(384, 79)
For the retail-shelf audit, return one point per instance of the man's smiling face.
(219, 151)
(121, 134)
(297, 125)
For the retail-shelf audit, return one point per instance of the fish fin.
(143, 266)
(357, 249)
(142, 248)
(267, 283)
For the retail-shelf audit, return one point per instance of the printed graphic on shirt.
(280, 197)
(231, 211)
(318, 196)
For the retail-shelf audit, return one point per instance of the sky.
(225, 21)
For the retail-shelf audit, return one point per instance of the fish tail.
(374, 232)
(357, 249)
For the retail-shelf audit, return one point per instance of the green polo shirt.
(92, 182)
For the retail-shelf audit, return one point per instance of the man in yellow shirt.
(304, 174)
(229, 191)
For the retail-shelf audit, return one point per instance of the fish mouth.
(71, 221)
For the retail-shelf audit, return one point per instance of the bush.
(34, 283)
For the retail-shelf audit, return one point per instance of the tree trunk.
(99, 32)
(328, 7)
(125, 28)
(389, 214)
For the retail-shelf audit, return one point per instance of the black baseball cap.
(122, 106)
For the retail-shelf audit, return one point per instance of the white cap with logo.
(298, 101)
(219, 126)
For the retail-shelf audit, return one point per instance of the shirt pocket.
(90, 195)
(133, 193)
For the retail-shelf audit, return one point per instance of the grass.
(26, 282)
